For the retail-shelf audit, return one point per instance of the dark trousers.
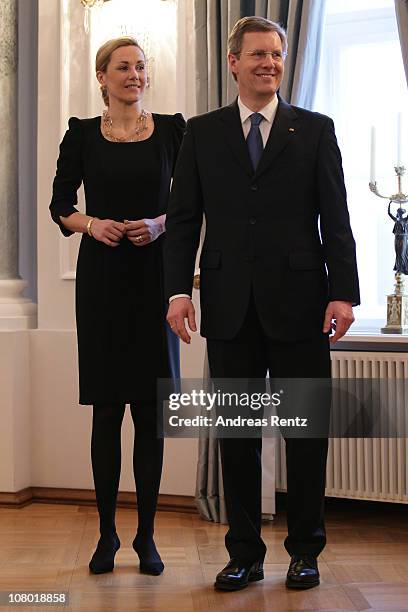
(251, 354)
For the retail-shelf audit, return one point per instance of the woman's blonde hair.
(104, 53)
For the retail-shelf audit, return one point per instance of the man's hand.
(342, 315)
(179, 309)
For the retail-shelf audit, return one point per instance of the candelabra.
(91, 3)
(397, 302)
(88, 4)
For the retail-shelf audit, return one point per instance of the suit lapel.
(232, 131)
(283, 130)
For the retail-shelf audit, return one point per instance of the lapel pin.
(291, 129)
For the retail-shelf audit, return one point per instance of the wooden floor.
(47, 547)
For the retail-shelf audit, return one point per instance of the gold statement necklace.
(139, 129)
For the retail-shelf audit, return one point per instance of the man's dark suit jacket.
(262, 228)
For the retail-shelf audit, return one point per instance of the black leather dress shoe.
(302, 573)
(237, 574)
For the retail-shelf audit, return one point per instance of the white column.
(16, 312)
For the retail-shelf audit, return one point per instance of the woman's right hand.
(107, 231)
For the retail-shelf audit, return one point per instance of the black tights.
(106, 462)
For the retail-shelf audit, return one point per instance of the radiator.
(372, 469)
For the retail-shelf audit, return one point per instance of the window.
(361, 83)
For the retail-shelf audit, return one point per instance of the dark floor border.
(347, 505)
(86, 497)
(180, 503)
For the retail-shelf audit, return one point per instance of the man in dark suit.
(278, 270)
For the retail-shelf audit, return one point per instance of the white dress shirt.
(268, 112)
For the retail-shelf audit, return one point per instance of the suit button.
(252, 220)
(254, 187)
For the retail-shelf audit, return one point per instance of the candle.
(399, 139)
(372, 165)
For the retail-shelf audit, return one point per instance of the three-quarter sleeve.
(179, 127)
(68, 177)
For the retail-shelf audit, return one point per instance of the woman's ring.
(139, 238)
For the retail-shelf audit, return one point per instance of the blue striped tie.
(254, 139)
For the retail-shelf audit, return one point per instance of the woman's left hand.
(144, 231)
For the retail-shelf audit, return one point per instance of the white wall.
(15, 438)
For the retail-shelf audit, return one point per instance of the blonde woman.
(125, 160)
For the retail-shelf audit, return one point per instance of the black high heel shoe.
(104, 556)
(149, 559)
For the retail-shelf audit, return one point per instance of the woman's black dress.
(124, 344)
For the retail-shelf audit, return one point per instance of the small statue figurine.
(401, 239)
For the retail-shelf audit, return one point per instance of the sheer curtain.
(215, 87)
(401, 9)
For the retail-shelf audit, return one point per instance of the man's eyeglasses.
(260, 54)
